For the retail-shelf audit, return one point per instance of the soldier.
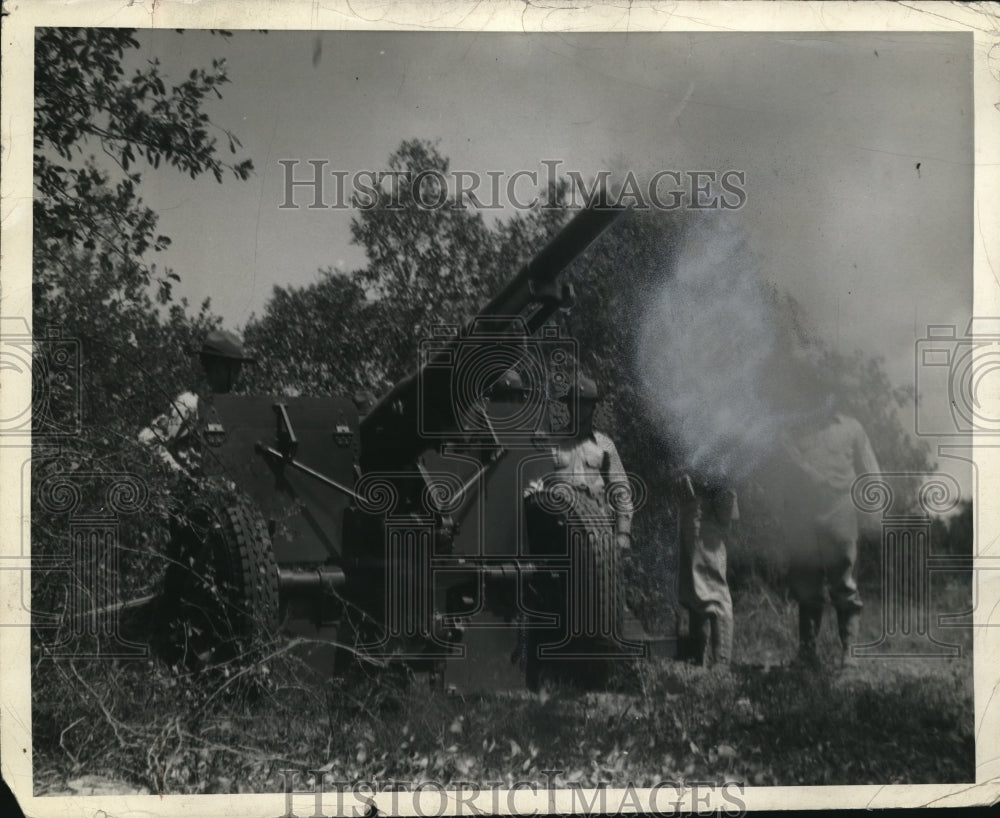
(707, 511)
(175, 433)
(825, 453)
(589, 487)
(177, 437)
(589, 462)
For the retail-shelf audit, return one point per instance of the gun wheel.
(596, 589)
(590, 600)
(222, 587)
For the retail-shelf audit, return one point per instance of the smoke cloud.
(707, 351)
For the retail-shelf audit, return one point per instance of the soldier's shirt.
(593, 464)
(176, 433)
(826, 461)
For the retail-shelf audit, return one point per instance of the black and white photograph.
(469, 409)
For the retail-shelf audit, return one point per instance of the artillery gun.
(401, 534)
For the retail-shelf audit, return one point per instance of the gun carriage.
(401, 534)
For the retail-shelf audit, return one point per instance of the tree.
(85, 101)
(93, 234)
(430, 261)
(92, 275)
(315, 340)
(420, 242)
(427, 255)
(954, 534)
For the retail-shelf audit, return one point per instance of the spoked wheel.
(221, 588)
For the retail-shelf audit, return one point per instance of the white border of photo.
(550, 16)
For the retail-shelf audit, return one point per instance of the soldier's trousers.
(826, 558)
(703, 588)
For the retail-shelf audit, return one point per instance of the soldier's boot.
(701, 638)
(848, 626)
(722, 640)
(523, 656)
(810, 620)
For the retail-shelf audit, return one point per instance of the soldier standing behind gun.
(176, 433)
(177, 436)
(707, 511)
(825, 453)
(590, 462)
(589, 480)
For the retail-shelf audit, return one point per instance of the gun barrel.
(555, 257)
(533, 283)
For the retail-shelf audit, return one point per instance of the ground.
(143, 726)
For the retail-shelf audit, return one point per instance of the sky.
(857, 150)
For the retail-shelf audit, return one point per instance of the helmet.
(364, 400)
(509, 383)
(583, 389)
(221, 344)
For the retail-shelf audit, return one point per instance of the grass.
(157, 728)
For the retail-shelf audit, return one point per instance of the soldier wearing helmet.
(589, 461)
(176, 432)
(222, 356)
(584, 504)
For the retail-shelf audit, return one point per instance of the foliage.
(112, 310)
(954, 535)
(896, 721)
(84, 100)
(91, 278)
(168, 730)
(431, 255)
(309, 339)
(93, 234)
(425, 267)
